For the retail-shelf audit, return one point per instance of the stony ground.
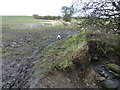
(20, 48)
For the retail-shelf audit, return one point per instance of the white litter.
(58, 37)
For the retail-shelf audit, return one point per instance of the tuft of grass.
(4, 50)
(116, 48)
(65, 64)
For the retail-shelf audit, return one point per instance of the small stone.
(100, 78)
(87, 84)
(93, 84)
(68, 79)
(98, 31)
(106, 75)
(96, 58)
(110, 84)
(1, 45)
(14, 43)
(103, 73)
(18, 65)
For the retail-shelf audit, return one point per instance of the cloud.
(29, 7)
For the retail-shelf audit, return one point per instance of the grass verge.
(61, 53)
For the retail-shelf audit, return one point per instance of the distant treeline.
(54, 17)
(61, 17)
(47, 17)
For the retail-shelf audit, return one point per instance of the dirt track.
(22, 49)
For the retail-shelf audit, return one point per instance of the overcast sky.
(30, 7)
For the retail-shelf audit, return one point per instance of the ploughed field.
(23, 39)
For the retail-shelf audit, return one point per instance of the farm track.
(18, 69)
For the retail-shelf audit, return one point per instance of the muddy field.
(21, 45)
(30, 53)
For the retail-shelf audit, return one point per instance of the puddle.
(37, 25)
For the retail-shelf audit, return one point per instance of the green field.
(18, 19)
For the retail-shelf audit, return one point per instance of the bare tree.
(110, 11)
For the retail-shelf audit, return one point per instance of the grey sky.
(40, 7)
(30, 7)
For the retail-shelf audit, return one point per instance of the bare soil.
(20, 50)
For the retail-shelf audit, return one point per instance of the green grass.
(9, 50)
(60, 53)
(78, 20)
(1, 35)
(18, 19)
(70, 46)
(17, 23)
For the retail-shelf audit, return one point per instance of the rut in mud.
(19, 68)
